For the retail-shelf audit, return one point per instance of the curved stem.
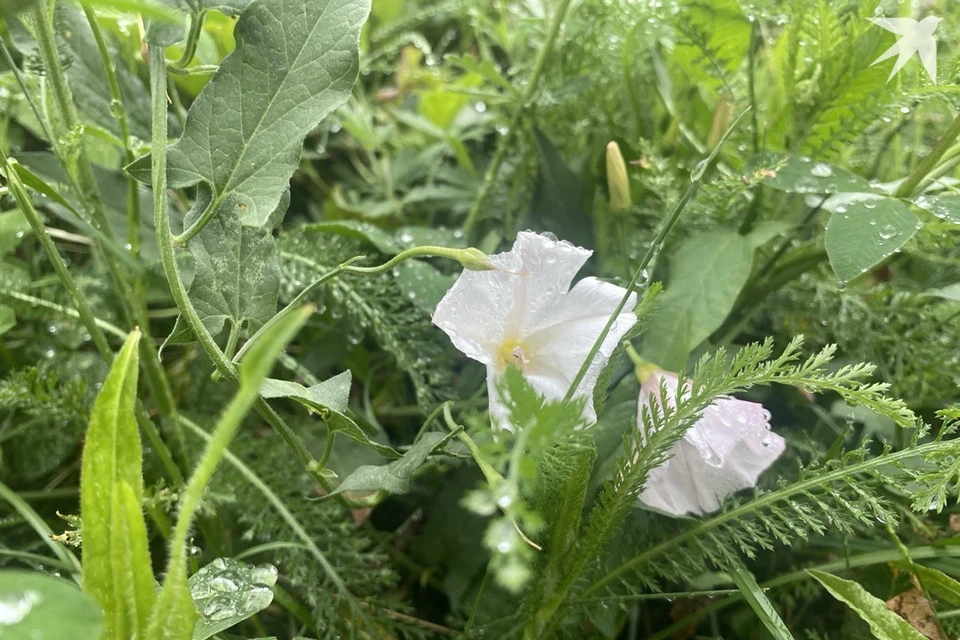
(193, 37)
(161, 215)
(494, 167)
(198, 226)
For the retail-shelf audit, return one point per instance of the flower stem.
(908, 186)
(493, 169)
(698, 173)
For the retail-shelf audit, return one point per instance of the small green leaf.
(394, 477)
(706, 276)
(295, 62)
(558, 202)
(226, 592)
(35, 605)
(802, 175)
(329, 400)
(116, 563)
(884, 624)
(759, 602)
(13, 228)
(237, 274)
(865, 233)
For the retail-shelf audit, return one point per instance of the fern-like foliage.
(375, 304)
(810, 505)
(364, 569)
(45, 418)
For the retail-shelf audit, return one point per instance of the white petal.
(567, 329)
(484, 308)
(724, 452)
(475, 310)
(546, 269)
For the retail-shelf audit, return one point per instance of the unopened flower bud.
(473, 259)
(618, 183)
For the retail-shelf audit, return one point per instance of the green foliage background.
(831, 212)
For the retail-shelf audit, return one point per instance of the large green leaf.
(237, 274)
(706, 275)
(35, 605)
(228, 591)
(865, 232)
(295, 62)
(884, 623)
(116, 562)
(329, 400)
(394, 477)
(800, 174)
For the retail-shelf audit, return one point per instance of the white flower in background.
(524, 313)
(725, 451)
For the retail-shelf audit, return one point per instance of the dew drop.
(887, 231)
(821, 170)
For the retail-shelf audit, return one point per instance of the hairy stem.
(161, 216)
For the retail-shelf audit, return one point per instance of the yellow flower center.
(512, 352)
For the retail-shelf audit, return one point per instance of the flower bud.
(618, 183)
(473, 259)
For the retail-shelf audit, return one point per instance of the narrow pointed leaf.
(116, 566)
(884, 624)
(329, 400)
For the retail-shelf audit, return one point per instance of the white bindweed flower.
(524, 313)
(725, 451)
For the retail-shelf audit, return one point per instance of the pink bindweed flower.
(524, 313)
(725, 451)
